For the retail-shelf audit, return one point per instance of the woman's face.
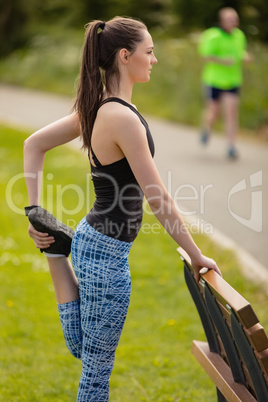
(140, 62)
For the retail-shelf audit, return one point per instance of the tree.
(13, 26)
(200, 14)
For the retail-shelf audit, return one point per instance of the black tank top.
(117, 210)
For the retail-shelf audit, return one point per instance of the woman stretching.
(93, 299)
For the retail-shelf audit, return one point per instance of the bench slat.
(252, 359)
(241, 338)
(257, 337)
(227, 295)
(263, 357)
(220, 374)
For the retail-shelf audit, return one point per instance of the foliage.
(13, 26)
(19, 19)
(177, 95)
(52, 61)
(195, 14)
(153, 360)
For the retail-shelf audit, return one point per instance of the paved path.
(225, 199)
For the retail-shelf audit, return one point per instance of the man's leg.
(231, 104)
(211, 112)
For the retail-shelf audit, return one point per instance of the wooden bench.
(235, 355)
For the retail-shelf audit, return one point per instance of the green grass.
(52, 60)
(153, 360)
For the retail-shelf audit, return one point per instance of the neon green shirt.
(217, 42)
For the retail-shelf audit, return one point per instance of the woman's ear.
(124, 56)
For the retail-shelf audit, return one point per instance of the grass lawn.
(153, 360)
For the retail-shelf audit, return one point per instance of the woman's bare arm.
(35, 148)
(131, 137)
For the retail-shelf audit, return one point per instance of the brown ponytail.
(103, 40)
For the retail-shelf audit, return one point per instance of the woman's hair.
(103, 41)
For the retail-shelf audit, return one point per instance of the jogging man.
(223, 49)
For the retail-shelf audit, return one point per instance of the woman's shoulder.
(117, 114)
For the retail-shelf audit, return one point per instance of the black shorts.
(215, 93)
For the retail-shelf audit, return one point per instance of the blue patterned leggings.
(92, 325)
